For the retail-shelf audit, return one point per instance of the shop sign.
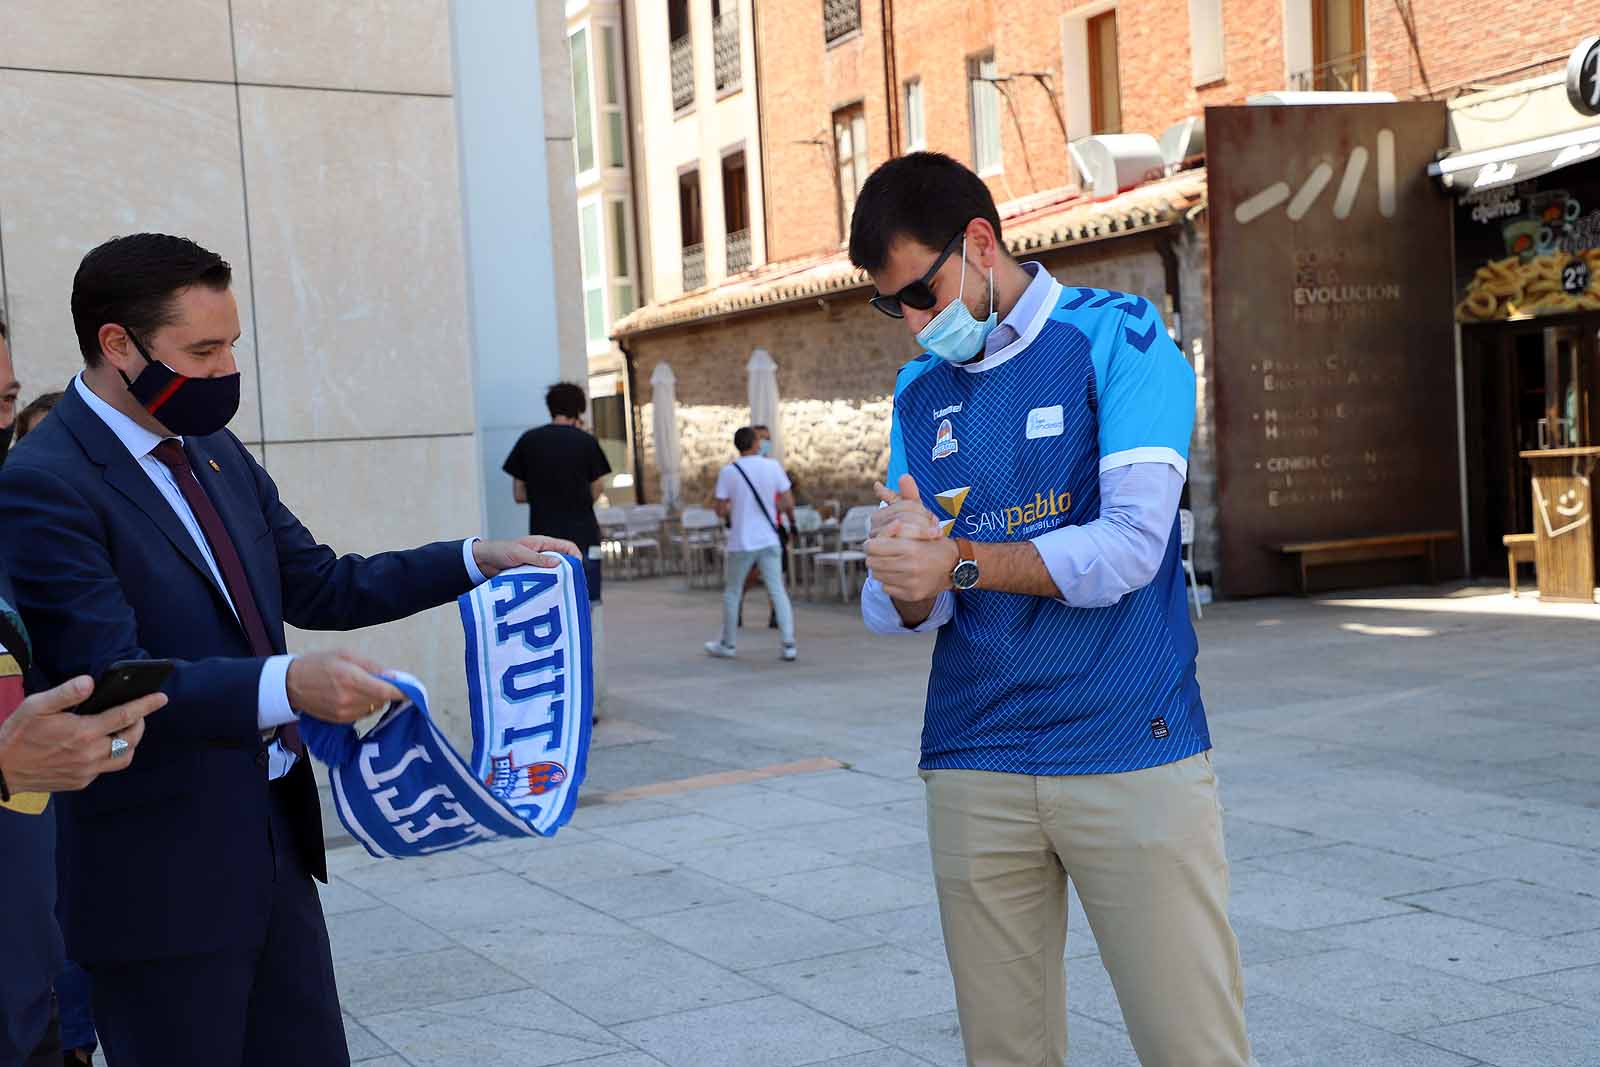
(1530, 249)
(1332, 343)
(1583, 76)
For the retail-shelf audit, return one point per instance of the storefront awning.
(1488, 168)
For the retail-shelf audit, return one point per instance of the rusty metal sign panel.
(1333, 337)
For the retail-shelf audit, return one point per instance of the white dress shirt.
(272, 693)
(1093, 565)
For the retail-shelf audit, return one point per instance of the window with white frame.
(916, 135)
(850, 149)
(983, 105)
(590, 245)
(620, 230)
(582, 101)
(612, 123)
(1105, 86)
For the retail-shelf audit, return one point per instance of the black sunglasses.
(918, 294)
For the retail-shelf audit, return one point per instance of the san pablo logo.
(1300, 201)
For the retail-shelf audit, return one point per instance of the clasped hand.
(906, 552)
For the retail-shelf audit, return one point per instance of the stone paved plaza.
(1412, 785)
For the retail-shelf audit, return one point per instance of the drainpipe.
(891, 87)
(633, 423)
(761, 127)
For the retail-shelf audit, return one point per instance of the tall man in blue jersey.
(1039, 447)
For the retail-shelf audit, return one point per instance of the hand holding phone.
(124, 682)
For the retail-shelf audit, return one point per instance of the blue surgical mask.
(953, 334)
(766, 447)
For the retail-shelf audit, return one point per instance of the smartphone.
(125, 681)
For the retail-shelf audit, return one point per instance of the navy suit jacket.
(172, 857)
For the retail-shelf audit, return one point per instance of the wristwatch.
(965, 575)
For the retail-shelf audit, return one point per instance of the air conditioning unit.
(1183, 141)
(1294, 96)
(1110, 163)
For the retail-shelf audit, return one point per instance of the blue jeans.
(770, 560)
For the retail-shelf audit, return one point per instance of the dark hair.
(925, 196)
(40, 407)
(132, 281)
(566, 400)
(744, 439)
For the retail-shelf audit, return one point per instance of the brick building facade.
(1266, 45)
(832, 109)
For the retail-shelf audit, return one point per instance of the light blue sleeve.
(1145, 389)
(877, 608)
(1097, 564)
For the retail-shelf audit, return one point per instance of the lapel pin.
(214, 465)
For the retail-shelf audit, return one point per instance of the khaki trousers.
(1144, 850)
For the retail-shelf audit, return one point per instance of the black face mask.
(5, 440)
(189, 407)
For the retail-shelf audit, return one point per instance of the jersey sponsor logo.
(1158, 728)
(944, 442)
(1044, 512)
(1046, 422)
(953, 409)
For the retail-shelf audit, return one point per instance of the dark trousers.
(268, 1005)
(48, 1054)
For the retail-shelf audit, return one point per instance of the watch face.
(965, 576)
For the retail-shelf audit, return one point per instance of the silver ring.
(118, 747)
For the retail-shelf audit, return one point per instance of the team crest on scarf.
(403, 790)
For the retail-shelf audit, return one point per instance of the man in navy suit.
(137, 526)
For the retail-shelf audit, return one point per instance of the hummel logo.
(1303, 199)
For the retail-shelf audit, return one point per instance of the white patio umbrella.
(764, 397)
(664, 402)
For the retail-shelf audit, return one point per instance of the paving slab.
(846, 891)
(1381, 992)
(772, 1031)
(1465, 949)
(1577, 987)
(642, 977)
(1515, 905)
(1549, 1037)
(865, 988)
(754, 934)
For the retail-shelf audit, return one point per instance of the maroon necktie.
(171, 453)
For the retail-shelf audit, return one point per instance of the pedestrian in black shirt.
(557, 470)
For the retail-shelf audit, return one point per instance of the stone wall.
(837, 360)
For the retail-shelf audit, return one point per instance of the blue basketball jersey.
(1011, 448)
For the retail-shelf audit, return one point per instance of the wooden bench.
(1423, 545)
(1519, 549)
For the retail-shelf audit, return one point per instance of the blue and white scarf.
(403, 790)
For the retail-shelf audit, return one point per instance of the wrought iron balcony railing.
(738, 251)
(725, 51)
(682, 72)
(839, 18)
(1346, 74)
(694, 267)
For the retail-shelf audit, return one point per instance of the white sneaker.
(720, 650)
(790, 653)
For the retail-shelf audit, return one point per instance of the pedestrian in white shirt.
(746, 491)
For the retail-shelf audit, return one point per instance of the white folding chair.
(701, 542)
(613, 533)
(804, 544)
(1186, 532)
(853, 531)
(644, 534)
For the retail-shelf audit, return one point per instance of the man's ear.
(116, 348)
(982, 247)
